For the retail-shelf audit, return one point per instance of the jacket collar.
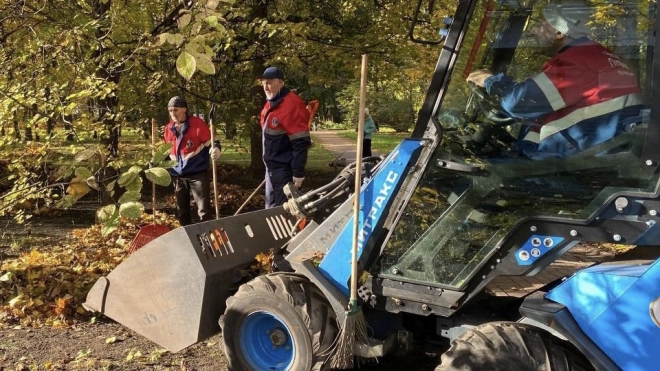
(184, 128)
(276, 100)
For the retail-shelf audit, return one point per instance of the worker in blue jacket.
(581, 97)
(191, 148)
(285, 126)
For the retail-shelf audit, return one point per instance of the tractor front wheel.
(511, 347)
(278, 322)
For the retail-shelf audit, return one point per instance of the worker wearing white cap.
(581, 96)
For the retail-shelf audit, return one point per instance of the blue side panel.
(611, 305)
(535, 247)
(375, 195)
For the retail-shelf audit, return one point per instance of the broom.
(149, 232)
(354, 328)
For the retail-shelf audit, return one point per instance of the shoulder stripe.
(550, 91)
(579, 115)
(533, 137)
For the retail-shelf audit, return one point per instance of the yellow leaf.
(15, 302)
(7, 277)
(111, 340)
(77, 188)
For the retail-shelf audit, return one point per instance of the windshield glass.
(551, 102)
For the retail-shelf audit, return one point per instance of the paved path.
(342, 148)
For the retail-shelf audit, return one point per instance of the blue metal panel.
(374, 198)
(535, 248)
(611, 305)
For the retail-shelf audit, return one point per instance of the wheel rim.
(266, 342)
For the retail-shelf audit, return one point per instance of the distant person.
(191, 148)
(579, 99)
(285, 126)
(369, 129)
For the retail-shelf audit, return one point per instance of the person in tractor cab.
(580, 98)
(285, 127)
(191, 147)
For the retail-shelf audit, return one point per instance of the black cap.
(272, 73)
(177, 102)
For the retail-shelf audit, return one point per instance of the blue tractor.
(465, 243)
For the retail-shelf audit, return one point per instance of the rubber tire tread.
(301, 297)
(502, 346)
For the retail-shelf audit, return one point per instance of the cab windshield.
(557, 129)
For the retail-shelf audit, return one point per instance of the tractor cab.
(484, 205)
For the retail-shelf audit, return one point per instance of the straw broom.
(354, 328)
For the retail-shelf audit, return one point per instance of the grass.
(134, 147)
(383, 141)
(236, 153)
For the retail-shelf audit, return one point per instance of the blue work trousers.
(275, 181)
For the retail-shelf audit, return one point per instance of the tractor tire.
(279, 321)
(502, 346)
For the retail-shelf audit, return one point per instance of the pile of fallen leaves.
(47, 285)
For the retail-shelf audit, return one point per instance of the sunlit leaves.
(158, 175)
(83, 173)
(85, 154)
(127, 178)
(161, 152)
(130, 196)
(131, 210)
(186, 65)
(106, 213)
(205, 64)
(77, 188)
(185, 19)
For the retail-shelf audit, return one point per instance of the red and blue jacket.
(190, 146)
(285, 125)
(580, 99)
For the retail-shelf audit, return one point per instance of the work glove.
(215, 153)
(298, 181)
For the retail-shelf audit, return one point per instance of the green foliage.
(71, 70)
(158, 175)
(382, 141)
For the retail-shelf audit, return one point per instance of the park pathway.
(336, 143)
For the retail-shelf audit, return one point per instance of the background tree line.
(100, 66)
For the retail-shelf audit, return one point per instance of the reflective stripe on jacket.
(189, 146)
(578, 100)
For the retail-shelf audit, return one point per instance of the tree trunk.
(68, 127)
(259, 9)
(17, 130)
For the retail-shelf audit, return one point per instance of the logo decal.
(189, 143)
(275, 122)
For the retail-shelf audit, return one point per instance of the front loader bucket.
(173, 290)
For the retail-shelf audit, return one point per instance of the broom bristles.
(354, 330)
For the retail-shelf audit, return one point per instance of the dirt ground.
(104, 345)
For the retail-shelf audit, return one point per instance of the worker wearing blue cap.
(285, 126)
